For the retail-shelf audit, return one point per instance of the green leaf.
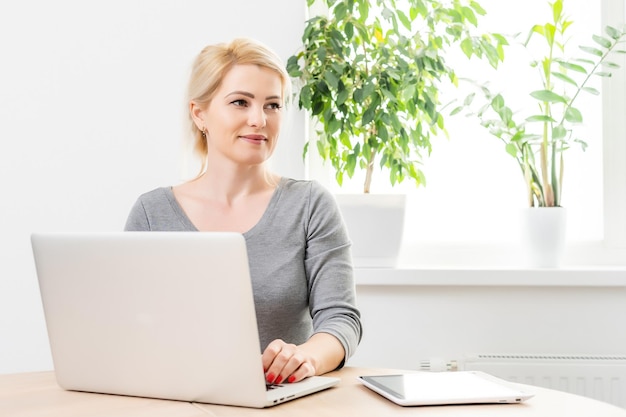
(293, 67)
(322, 88)
(557, 10)
(332, 125)
(589, 62)
(505, 115)
(368, 89)
(382, 132)
(467, 46)
(456, 110)
(602, 41)
(349, 29)
(336, 42)
(613, 33)
(364, 9)
(371, 111)
(511, 149)
(478, 8)
(321, 149)
(363, 33)
(469, 99)
(535, 29)
(558, 132)
(494, 56)
(548, 96)
(611, 64)
(345, 141)
(548, 32)
(321, 54)
(540, 118)
(518, 136)
(468, 14)
(591, 90)
(342, 95)
(340, 11)
(565, 78)
(403, 19)
(305, 97)
(317, 108)
(339, 176)
(592, 51)
(573, 115)
(331, 79)
(573, 67)
(498, 102)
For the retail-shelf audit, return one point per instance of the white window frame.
(614, 143)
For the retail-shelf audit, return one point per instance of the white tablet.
(440, 388)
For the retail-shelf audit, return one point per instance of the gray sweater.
(299, 256)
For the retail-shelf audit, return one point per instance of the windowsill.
(500, 277)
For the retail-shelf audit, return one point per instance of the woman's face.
(243, 119)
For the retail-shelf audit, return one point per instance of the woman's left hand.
(285, 362)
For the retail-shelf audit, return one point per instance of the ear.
(197, 114)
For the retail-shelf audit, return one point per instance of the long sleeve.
(328, 264)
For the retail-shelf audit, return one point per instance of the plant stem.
(548, 190)
(369, 170)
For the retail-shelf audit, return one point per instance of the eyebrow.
(247, 94)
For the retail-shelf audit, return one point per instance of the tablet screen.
(424, 388)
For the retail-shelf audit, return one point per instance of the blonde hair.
(211, 66)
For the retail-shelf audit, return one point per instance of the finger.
(276, 356)
(293, 360)
(285, 362)
(270, 353)
(305, 370)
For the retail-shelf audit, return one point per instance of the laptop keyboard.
(269, 387)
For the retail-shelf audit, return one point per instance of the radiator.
(596, 376)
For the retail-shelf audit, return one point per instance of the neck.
(226, 185)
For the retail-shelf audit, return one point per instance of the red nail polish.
(278, 379)
(291, 379)
(270, 378)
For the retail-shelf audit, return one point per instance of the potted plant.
(369, 73)
(538, 140)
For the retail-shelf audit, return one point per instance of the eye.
(239, 102)
(273, 106)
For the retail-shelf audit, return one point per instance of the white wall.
(91, 115)
(405, 324)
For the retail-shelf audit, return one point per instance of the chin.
(253, 160)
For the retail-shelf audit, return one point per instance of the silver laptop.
(156, 314)
(442, 388)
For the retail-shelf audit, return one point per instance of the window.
(468, 210)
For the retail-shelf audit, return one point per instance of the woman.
(298, 249)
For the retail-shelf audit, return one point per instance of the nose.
(257, 117)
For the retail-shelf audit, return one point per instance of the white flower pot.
(375, 224)
(543, 236)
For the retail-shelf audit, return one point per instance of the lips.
(254, 138)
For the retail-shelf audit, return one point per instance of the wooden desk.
(37, 394)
